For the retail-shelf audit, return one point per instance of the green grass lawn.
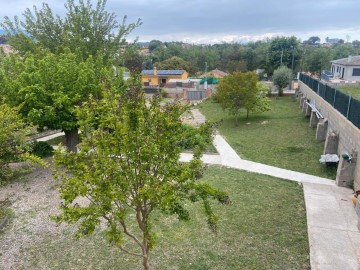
(353, 90)
(57, 140)
(263, 228)
(280, 137)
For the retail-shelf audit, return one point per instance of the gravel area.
(194, 117)
(33, 198)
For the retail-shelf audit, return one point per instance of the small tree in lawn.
(281, 78)
(240, 90)
(127, 167)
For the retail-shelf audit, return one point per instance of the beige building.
(347, 69)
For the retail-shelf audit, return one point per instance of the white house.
(347, 69)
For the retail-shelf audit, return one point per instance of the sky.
(210, 21)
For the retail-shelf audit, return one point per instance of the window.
(356, 72)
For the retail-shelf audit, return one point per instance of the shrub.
(13, 143)
(193, 138)
(281, 78)
(41, 149)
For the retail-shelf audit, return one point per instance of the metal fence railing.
(342, 102)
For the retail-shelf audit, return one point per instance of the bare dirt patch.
(32, 198)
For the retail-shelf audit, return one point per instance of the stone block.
(301, 103)
(304, 105)
(321, 129)
(313, 120)
(345, 172)
(331, 143)
(308, 110)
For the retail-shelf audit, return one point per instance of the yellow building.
(154, 77)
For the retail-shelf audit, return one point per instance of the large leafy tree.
(84, 29)
(241, 90)
(173, 63)
(49, 88)
(128, 167)
(282, 77)
(312, 40)
(153, 44)
(318, 59)
(50, 85)
(132, 59)
(282, 51)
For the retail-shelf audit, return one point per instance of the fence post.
(334, 99)
(318, 88)
(348, 109)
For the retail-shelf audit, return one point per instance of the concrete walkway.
(49, 137)
(331, 217)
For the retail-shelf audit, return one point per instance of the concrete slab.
(323, 211)
(332, 227)
(331, 249)
(355, 241)
(207, 158)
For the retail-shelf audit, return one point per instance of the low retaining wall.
(348, 136)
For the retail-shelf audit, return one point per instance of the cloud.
(228, 20)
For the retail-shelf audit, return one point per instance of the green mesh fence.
(322, 90)
(335, 98)
(341, 102)
(354, 112)
(315, 85)
(329, 94)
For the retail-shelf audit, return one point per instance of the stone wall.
(348, 135)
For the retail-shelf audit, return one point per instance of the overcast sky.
(210, 21)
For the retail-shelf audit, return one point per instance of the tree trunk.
(146, 263)
(247, 114)
(72, 140)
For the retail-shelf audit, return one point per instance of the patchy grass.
(55, 141)
(280, 137)
(6, 214)
(353, 90)
(263, 228)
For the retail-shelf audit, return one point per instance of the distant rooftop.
(348, 61)
(6, 49)
(162, 72)
(213, 72)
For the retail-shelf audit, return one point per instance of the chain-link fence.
(344, 103)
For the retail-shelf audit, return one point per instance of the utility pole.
(292, 66)
(205, 82)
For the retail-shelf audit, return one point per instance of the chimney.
(155, 71)
(349, 58)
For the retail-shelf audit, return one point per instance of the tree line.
(266, 54)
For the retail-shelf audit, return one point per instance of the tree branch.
(130, 234)
(131, 253)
